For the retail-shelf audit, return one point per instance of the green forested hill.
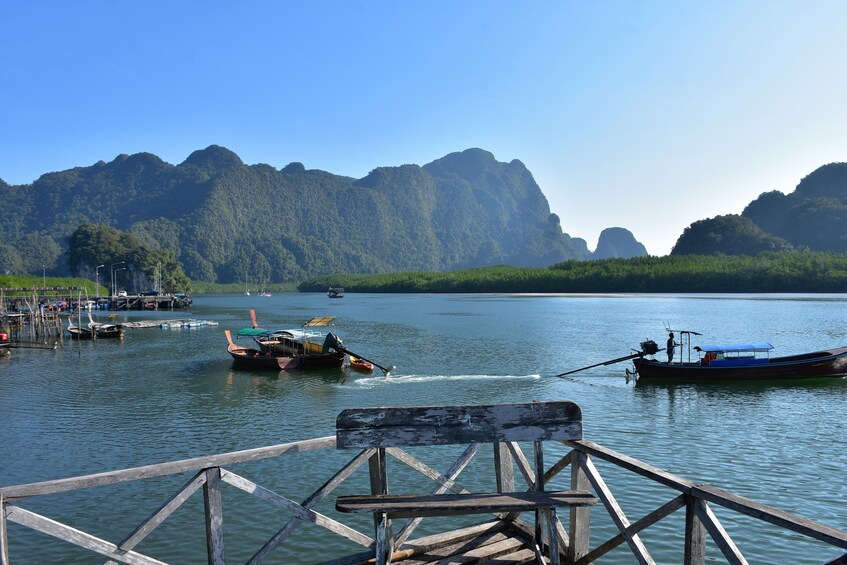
(813, 218)
(227, 222)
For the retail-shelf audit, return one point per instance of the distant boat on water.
(335, 292)
(739, 362)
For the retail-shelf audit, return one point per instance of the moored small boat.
(284, 349)
(736, 362)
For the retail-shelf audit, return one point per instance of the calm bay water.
(162, 395)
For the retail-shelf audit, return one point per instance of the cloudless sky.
(647, 115)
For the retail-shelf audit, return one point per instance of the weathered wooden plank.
(504, 468)
(775, 516)
(162, 469)
(695, 535)
(616, 512)
(486, 552)
(580, 518)
(162, 513)
(214, 517)
(309, 503)
(632, 464)
(77, 537)
(456, 550)
(4, 538)
(407, 506)
(439, 425)
(716, 530)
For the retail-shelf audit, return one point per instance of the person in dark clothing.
(671, 346)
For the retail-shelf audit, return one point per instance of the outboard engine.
(649, 347)
(332, 341)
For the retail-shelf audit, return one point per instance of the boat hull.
(828, 363)
(255, 359)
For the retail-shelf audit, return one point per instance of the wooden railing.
(212, 472)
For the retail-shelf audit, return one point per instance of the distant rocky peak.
(618, 243)
(294, 167)
(827, 181)
(469, 164)
(214, 159)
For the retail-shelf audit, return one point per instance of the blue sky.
(645, 115)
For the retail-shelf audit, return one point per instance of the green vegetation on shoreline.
(768, 272)
(89, 287)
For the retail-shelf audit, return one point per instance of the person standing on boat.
(670, 347)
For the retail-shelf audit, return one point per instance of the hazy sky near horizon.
(644, 115)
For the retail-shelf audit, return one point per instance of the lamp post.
(112, 280)
(97, 276)
(116, 277)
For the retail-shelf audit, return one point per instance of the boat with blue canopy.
(739, 361)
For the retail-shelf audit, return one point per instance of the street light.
(116, 277)
(112, 280)
(97, 276)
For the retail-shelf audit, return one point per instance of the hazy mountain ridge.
(813, 217)
(227, 221)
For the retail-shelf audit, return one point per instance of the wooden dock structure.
(504, 537)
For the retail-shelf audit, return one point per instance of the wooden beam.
(77, 537)
(775, 516)
(308, 504)
(695, 535)
(631, 464)
(721, 538)
(618, 517)
(4, 538)
(162, 513)
(397, 426)
(162, 469)
(214, 517)
(658, 514)
(299, 511)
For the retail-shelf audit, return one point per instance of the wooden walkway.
(493, 542)
(580, 464)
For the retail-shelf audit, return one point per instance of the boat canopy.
(257, 332)
(756, 347)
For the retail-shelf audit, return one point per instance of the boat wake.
(405, 379)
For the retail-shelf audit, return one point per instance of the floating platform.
(169, 324)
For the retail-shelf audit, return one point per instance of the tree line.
(819, 272)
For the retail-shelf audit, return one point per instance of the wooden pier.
(503, 538)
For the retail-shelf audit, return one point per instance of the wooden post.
(377, 465)
(580, 518)
(695, 535)
(504, 467)
(214, 517)
(539, 487)
(4, 539)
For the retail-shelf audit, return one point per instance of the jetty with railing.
(523, 525)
